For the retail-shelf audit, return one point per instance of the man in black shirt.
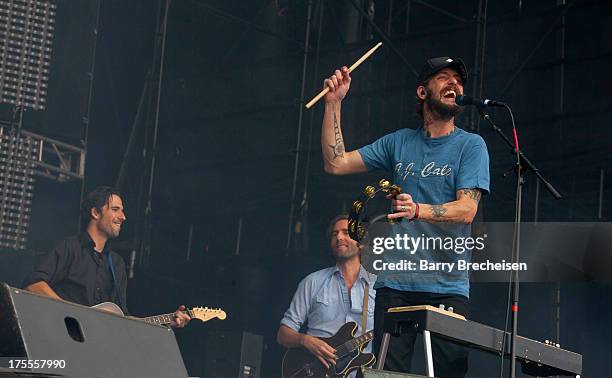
(82, 269)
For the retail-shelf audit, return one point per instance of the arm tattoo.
(338, 147)
(438, 210)
(474, 194)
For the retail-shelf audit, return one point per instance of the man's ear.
(421, 92)
(94, 213)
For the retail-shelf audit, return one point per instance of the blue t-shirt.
(431, 170)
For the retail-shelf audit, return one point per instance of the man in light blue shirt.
(327, 299)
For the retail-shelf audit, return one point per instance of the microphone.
(462, 100)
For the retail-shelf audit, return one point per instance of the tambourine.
(357, 230)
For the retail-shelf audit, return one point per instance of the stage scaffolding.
(26, 44)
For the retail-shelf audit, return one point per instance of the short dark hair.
(333, 222)
(97, 198)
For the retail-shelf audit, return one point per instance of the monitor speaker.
(87, 342)
(233, 354)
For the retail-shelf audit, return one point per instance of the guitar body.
(109, 307)
(300, 363)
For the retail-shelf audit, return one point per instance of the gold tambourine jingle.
(369, 191)
(357, 230)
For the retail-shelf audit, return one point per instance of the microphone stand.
(522, 163)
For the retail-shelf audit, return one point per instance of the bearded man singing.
(443, 171)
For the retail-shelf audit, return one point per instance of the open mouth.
(449, 93)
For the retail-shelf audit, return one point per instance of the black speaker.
(233, 355)
(373, 373)
(90, 343)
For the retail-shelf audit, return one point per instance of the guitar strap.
(112, 270)
(364, 309)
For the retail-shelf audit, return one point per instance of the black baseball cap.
(434, 65)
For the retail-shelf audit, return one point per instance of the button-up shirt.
(322, 303)
(78, 273)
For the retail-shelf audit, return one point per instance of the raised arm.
(336, 160)
(462, 210)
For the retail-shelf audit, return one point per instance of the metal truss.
(54, 159)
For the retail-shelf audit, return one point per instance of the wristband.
(416, 212)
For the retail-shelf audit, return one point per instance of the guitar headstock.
(205, 314)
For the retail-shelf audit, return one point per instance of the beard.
(111, 232)
(350, 253)
(439, 109)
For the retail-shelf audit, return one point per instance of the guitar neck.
(355, 343)
(359, 341)
(163, 319)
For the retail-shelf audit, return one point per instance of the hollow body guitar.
(300, 363)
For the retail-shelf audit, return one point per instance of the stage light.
(17, 156)
(26, 39)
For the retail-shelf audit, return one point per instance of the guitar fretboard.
(354, 344)
(164, 319)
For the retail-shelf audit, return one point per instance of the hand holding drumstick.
(338, 85)
(340, 81)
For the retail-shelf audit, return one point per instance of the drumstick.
(355, 65)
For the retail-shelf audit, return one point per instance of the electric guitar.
(201, 313)
(300, 363)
